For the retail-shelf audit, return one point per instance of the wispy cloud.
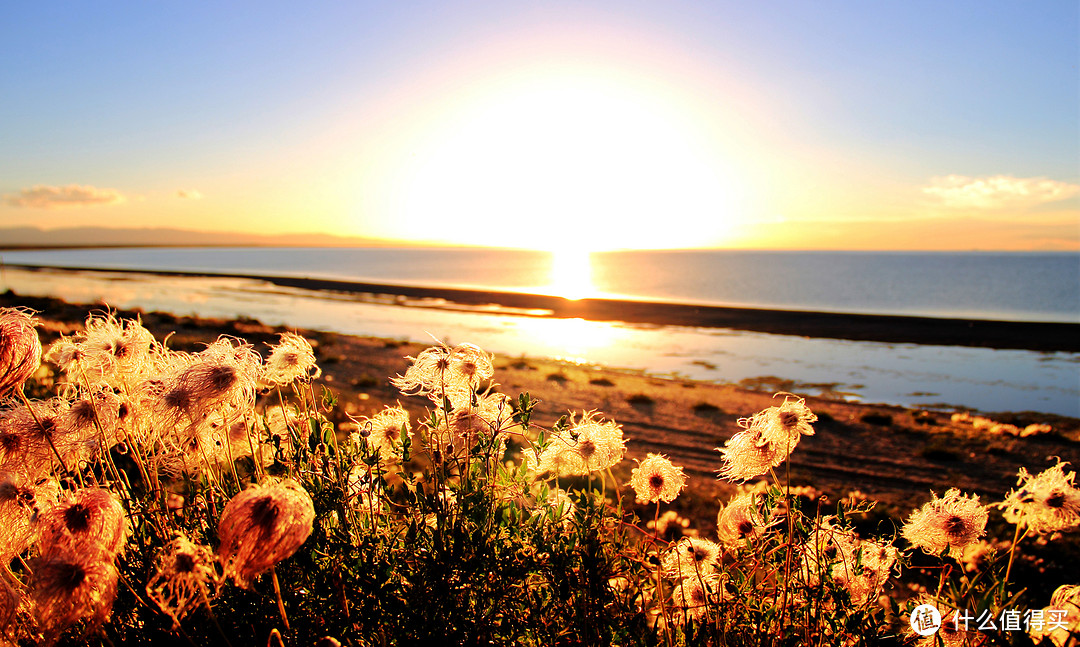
(72, 195)
(189, 194)
(998, 191)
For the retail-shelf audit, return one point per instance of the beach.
(894, 455)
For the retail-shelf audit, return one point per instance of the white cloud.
(72, 195)
(189, 194)
(998, 191)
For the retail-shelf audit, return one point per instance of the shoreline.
(923, 330)
(894, 454)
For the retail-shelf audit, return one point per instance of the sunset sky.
(581, 125)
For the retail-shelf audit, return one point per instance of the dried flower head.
(1046, 503)
(1061, 620)
(691, 557)
(186, 576)
(691, 595)
(109, 349)
(740, 519)
(384, 430)
(87, 522)
(587, 445)
(864, 572)
(262, 526)
(20, 348)
(767, 439)
(68, 589)
(292, 359)
(225, 373)
(441, 371)
(952, 522)
(656, 479)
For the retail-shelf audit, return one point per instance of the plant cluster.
(206, 498)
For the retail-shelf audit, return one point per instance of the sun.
(562, 161)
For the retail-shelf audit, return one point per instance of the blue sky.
(824, 125)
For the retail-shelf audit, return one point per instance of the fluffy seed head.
(952, 522)
(656, 479)
(767, 439)
(90, 521)
(262, 526)
(68, 589)
(1046, 503)
(186, 572)
(587, 445)
(441, 371)
(691, 557)
(20, 348)
(740, 520)
(292, 359)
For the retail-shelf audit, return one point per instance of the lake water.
(978, 285)
(1013, 286)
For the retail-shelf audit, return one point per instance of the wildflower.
(262, 526)
(18, 502)
(1061, 620)
(222, 374)
(185, 577)
(292, 359)
(656, 479)
(20, 349)
(441, 371)
(384, 430)
(89, 521)
(586, 446)
(1045, 503)
(692, 595)
(951, 522)
(108, 349)
(767, 439)
(32, 437)
(740, 519)
(691, 557)
(71, 588)
(866, 574)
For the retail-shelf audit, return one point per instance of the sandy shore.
(1020, 335)
(893, 455)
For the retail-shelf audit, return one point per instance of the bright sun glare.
(571, 274)
(564, 162)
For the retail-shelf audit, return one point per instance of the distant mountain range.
(33, 237)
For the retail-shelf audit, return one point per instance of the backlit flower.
(951, 522)
(262, 526)
(1061, 620)
(89, 521)
(656, 479)
(441, 371)
(20, 349)
(68, 589)
(587, 445)
(767, 439)
(1045, 503)
(740, 520)
(691, 557)
(185, 577)
(292, 359)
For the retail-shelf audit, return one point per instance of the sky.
(584, 125)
